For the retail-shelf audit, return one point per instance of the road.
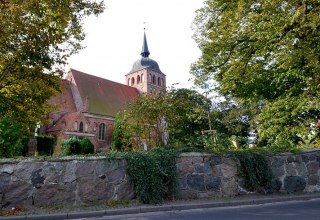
(293, 210)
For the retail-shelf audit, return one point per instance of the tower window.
(159, 82)
(154, 79)
(102, 131)
(132, 81)
(138, 79)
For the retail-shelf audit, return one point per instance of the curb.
(163, 208)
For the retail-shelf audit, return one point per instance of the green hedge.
(45, 145)
(73, 146)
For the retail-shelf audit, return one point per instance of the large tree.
(36, 38)
(175, 118)
(266, 53)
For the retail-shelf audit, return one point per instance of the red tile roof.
(105, 97)
(63, 102)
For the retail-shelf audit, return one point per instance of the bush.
(74, 145)
(45, 145)
(70, 146)
(86, 147)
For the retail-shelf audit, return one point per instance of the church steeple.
(145, 51)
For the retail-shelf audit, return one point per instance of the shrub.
(86, 147)
(70, 146)
(45, 145)
(74, 145)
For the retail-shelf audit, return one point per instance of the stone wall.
(203, 175)
(66, 182)
(82, 181)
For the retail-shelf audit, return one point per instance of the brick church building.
(87, 104)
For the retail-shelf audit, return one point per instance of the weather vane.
(144, 25)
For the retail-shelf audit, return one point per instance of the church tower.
(145, 74)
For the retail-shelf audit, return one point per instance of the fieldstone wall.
(204, 175)
(82, 181)
(65, 182)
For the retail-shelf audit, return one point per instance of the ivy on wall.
(255, 171)
(153, 174)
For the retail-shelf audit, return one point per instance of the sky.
(114, 39)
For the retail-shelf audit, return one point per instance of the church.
(87, 105)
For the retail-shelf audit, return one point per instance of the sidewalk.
(97, 211)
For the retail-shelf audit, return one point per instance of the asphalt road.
(293, 210)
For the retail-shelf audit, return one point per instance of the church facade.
(87, 104)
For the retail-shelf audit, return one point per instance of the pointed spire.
(145, 51)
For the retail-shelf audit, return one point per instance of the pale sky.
(114, 39)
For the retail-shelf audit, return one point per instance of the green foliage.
(70, 146)
(176, 118)
(11, 137)
(188, 117)
(255, 170)
(86, 146)
(36, 39)
(45, 145)
(117, 135)
(74, 145)
(153, 174)
(264, 52)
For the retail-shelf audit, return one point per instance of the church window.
(159, 82)
(138, 79)
(75, 126)
(141, 78)
(81, 127)
(102, 131)
(132, 81)
(162, 82)
(154, 79)
(129, 82)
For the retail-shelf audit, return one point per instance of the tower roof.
(145, 51)
(145, 61)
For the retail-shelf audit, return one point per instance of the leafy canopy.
(176, 118)
(266, 53)
(36, 38)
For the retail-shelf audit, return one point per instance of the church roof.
(145, 61)
(102, 96)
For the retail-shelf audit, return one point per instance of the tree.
(117, 134)
(36, 38)
(189, 117)
(11, 138)
(180, 114)
(265, 52)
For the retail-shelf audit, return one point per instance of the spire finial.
(145, 51)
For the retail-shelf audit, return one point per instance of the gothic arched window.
(102, 131)
(81, 127)
(138, 79)
(132, 81)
